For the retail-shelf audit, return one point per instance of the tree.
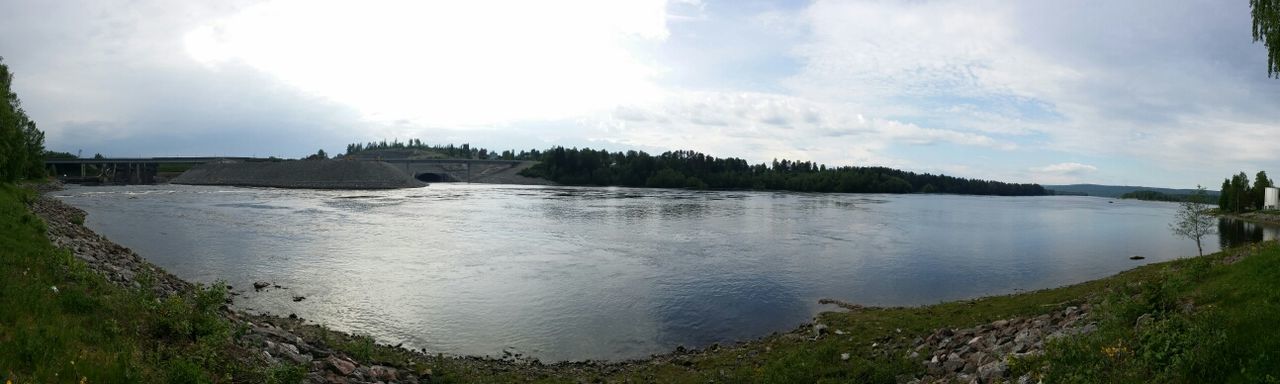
(320, 155)
(21, 143)
(1266, 28)
(1260, 184)
(1193, 220)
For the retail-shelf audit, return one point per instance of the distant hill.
(1114, 190)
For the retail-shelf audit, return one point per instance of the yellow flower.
(1112, 352)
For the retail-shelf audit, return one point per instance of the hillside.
(1116, 190)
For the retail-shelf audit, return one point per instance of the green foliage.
(92, 329)
(1266, 28)
(1194, 219)
(464, 151)
(1238, 196)
(688, 169)
(21, 143)
(1195, 322)
(1153, 196)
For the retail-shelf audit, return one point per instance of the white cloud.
(447, 63)
(1066, 168)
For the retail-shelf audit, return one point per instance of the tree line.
(1238, 195)
(1149, 195)
(689, 169)
(21, 143)
(450, 151)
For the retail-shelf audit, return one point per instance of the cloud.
(1146, 89)
(1066, 168)
(446, 63)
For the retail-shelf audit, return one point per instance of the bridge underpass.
(453, 170)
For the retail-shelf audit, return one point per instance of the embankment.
(314, 174)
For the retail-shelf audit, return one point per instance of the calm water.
(612, 273)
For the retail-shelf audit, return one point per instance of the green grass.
(168, 167)
(1197, 321)
(88, 329)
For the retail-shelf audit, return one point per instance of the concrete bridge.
(127, 170)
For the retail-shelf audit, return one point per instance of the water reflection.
(1234, 232)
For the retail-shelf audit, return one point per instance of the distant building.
(1271, 198)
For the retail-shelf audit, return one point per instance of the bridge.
(143, 170)
(126, 170)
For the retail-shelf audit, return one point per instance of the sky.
(1156, 93)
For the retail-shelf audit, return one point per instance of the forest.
(1239, 196)
(1153, 196)
(449, 151)
(21, 143)
(689, 169)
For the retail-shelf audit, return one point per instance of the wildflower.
(55, 289)
(1112, 352)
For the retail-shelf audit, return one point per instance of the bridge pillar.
(82, 165)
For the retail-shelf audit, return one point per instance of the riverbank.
(1018, 338)
(1271, 217)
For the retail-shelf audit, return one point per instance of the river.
(563, 273)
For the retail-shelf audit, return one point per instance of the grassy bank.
(60, 322)
(1194, 320)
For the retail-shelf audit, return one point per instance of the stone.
(819, 329)
(978, 358)
(379, 372)
(1087, 329)
(933, 368)
(844, 356)
(953, 365)
(340, 366)
(991, 371)
(259, 285)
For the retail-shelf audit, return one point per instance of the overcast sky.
(1159, 93)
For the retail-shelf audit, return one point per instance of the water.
(614, 273)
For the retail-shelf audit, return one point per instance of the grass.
(1197, 321)
(60, 322)
(1187, 321)
(169, 167)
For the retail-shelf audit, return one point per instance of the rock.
(379, 372)
(259, 285)
(298, 298)
(978, 358)
(1142, 322)
(1087, 329)
(819, 329)
(340, 366)
(953, 365)
(934, 368)
(991, 371)
(844, 356)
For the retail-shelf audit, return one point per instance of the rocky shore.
(314, 174)
(981, 354)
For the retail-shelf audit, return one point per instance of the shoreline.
(328, 354)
